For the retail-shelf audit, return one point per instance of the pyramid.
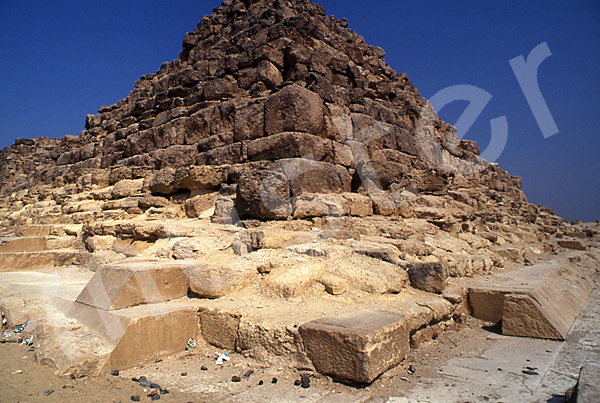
(277, 178)
(276, 98)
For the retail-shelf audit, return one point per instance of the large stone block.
(428, 276)
(286, 145)
(539, 301)
(294, 109)
(358, 346)
(31, 244)
(216, 280)
(308, 176)
(263, 195)
(219, 328)
(587, 389)
(129, 284)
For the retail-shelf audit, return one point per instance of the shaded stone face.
(358, 346)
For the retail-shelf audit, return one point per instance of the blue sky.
(64, 59)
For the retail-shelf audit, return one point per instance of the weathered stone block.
(358, 346)
(219, 328)
(286, 145)
(126, 188)
(130, 284)
(294, 109)
(428, 276)
(195, 206)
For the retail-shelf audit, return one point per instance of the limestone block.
(127, 187)
(358, 346)
(263, 195)
(587, 388)
(216, 280)
(269, 74)
(201, 177)
(572, 244)
(308, 176)
(487, 304)
(129, 284)
(524, 316)
(30, 244)
(549, 310)
(219, 328)
(319, 205)
(359, 205)
(428, 276)
(294, 109)
(286, 145)
(33, 230)
(195, 206)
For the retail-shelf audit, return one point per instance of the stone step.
(135, 283)
(33, 230)
(27, 261)
(20, 244)
(35, 243)
(137, 335)
(539, 301)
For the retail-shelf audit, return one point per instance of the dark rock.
(274, 380)
(294, 109)
(308, 176)
(236, 378)
(115, 372)
(135, 398)
(263, 195)
(48, 392)
(305, 381)
(428, 276)
(204, 368)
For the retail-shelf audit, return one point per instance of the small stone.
(155, 386)
(155, 397)
(145, 383)
(530, 372)
(152, 393)
(412, 369)
(260, 382)
(184, 374)
(115, 372)
(297, 382)
(248, 373)
(164, 391)
(135, 398)
(305, 381)
(134, 379)
(204, 368)
(48, 392)
(274, 380)
(68, 386)
(235, 378)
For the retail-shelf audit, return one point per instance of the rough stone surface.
(294, 109)
(358, 346)
(430, 277)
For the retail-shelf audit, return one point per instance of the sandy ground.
(22, 379)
